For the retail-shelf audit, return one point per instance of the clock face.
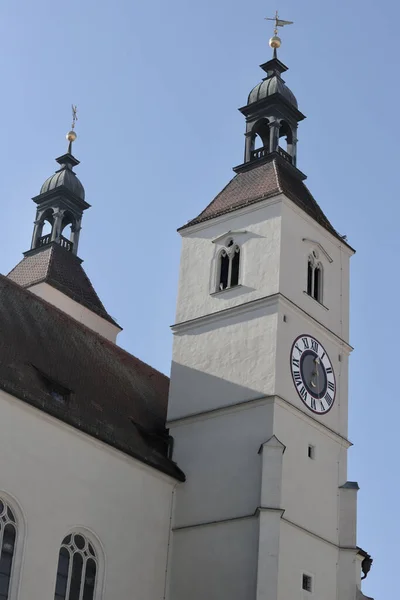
(313, 374)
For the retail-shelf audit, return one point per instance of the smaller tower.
(271, 111)
(51, 268)
(61, 202)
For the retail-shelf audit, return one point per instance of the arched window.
(286, 132)
(77, 569)
(229, 266)
(314, 277)
(8, 536)
(260, 139)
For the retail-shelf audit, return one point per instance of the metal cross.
(278, 22)
(74, 115)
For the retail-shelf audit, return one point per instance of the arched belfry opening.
(260, 139)
(286, 141)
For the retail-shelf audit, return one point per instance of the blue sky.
(158, 85)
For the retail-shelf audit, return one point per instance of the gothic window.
(229, 266)
(314, 277)
(8, 534)
(77, 569)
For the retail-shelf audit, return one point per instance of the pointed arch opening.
(79, 570)
(12, 537)
(315, 277)
(228, 266)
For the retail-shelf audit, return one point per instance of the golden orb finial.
(275, 42)
(71, 136)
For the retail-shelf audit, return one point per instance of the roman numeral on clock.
(305, 342)
(303, 393)
(328, 399)
(313, 405)
(314, 346)
(296, 362)
(297, 378)
(331, 386)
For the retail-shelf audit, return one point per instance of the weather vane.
(74, 115)
(71, 135)
(275, 41)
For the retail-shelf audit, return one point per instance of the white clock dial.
(313, 375)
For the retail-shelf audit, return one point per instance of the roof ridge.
(274, 163)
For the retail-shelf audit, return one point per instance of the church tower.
(258, 405)
(51, 268)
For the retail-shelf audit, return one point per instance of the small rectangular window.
(311, 451)
(307, 583)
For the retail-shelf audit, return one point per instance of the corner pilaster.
(270, 514)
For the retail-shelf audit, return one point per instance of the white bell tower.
(258, 404)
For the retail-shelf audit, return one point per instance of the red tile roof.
(258, 183)
(61, 269)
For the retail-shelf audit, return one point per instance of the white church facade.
(226, 482)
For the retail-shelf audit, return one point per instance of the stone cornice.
(259, 401)
(274, 300)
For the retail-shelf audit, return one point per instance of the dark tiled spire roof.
(61, 269)
(113, 396)
(260, 182)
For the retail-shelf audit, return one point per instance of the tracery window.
(229, 266)
(8, 535)
(314, 277)
(77, 569)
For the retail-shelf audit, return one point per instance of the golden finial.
(275, 41)
(71, 135)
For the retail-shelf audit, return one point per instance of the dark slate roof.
(270, 86)
(258, 183)
(65, 178)
(114, 396)
(63, 270)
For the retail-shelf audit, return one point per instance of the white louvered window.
(77, 569)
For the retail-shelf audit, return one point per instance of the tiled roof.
(63, 270)
(258, 183)
(114, 396)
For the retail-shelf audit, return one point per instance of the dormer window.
(229, 266)
(314, 277)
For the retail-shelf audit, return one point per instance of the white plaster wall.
(217, 562)
(76, 311)
(310, 487)
(298, 323)
(62, 479)
(223, 363)
(219, 455)
(302, 553)
(260, 251)
(296, 226)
